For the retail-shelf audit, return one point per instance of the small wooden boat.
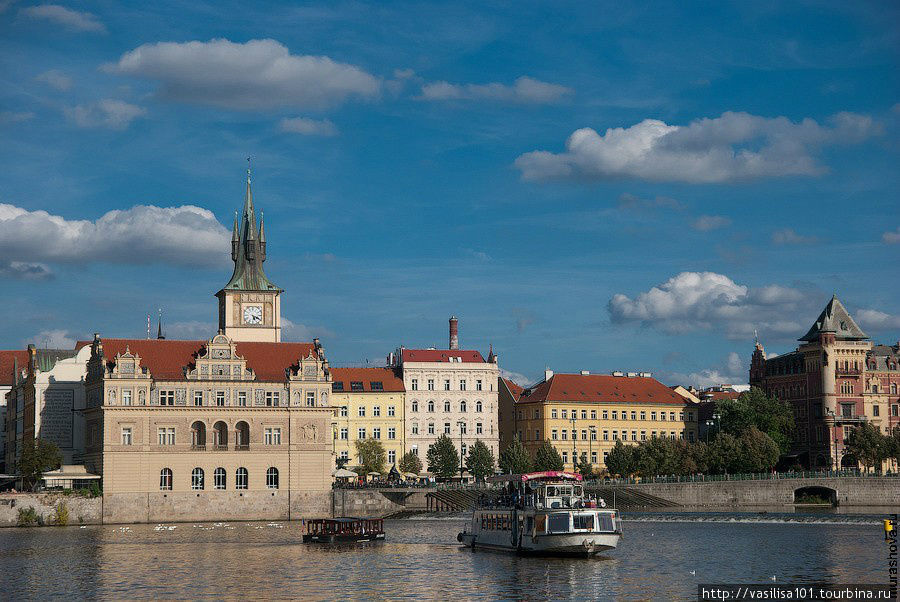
(344, 530)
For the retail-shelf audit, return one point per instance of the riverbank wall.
(80, 510)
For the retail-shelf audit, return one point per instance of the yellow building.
(369, 405)
(584, 415)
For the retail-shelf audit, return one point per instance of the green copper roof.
(249, 252)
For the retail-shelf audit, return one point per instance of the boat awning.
(535, 476)
(71, 471)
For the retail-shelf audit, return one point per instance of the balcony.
(198, 447)
(220, 447)
(848, 371)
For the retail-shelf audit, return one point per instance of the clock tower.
(249, 305)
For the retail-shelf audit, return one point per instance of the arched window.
(478, 406)
(324, 398)
(272, 478)
(219, 478)
(893, 388)
(874, 388)
(462, 406)
(431, 406)
(415, 405)
(242, 435)
(165, 479)
(197, 478)
(446, 406)
(198, 435)
(220, 435)
(240, 478)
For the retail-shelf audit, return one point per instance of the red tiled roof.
(601, 387)
(440, 355)
(718, 395)
(515, 389)
(8, 359)
(386, 376)
(166, 359)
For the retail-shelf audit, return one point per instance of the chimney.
(454, 333)
(548, 374)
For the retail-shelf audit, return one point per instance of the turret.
(757, 365)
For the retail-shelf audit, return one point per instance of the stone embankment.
(80, 510)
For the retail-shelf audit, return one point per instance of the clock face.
(253, 314)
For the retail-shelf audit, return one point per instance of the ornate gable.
(220, 361)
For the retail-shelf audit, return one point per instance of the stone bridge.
(842, 491)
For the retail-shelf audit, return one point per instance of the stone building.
(834, 380)
(584, 415)
(237, 426)
(12, 362)
(369, 404)
(449, 391)
(508, 393)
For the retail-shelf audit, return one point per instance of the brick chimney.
(454, 333)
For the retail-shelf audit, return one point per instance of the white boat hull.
(569, 544)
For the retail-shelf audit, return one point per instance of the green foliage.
(28, 517)
(443, 459)
(547, 458)
(62, 514)
(514, 459)
(754, 408)
(340, 462)
(371, 455)
(480, 461)
(585, 468)
(868, 445)
(37, 457)
(410, 462)
(893, 444)
(811, 498)
(760, 452)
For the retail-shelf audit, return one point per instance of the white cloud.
(732, 147)
(524, 90)
(891, 237)
(52, 339)
(788, 236)
(694, 301)
(876, 320)
(55, 79)
(733, 371)
(15, 116)
(292, 331)
(107, 113)
(517, 377)
(705, 223)
(20, 270)
(185, 235)
(254, 75)
(70, 19)
(308, 127)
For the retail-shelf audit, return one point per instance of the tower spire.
(159, 332)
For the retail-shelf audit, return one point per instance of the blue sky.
(602, 187)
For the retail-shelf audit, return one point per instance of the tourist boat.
(543, 513)
(344, 530)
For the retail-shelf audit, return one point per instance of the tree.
(514, 459)
(760, 452)
(442, 458)
(620, 460)
(341, 462)
(37, 457)
(585, 468)
(754, 408)
(480, 461)
(868, 445)
(893, 445)
(410, 462)
(371, 455)
(547, 458)
(725, 454)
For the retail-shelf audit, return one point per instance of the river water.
(663, 556)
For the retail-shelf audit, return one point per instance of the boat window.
(606, 521)
(558, 523)
(551, 491)
(583, 521)
(579, 491)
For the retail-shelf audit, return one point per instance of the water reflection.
(421, 560)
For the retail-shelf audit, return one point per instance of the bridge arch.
(815, 494)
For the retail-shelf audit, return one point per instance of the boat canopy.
(546, 475)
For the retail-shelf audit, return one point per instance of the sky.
(587, 186)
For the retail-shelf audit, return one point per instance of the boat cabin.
(332, 530)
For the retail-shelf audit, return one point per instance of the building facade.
(508, 394)
(449, 392)
(835, 380)
(12, 364)
(584, 415)
(368, 404)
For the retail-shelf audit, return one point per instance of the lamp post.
(830, 413)
(461, 426)
(574, 440)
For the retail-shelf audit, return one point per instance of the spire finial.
(159, 332)
(756, 336)
(248, 169)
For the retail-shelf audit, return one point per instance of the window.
(272, 398)
(895, 410)
(537, 414)
(376, 433)
(126, 397)
(893, 389)
(615, 415)
(846, 388)
(593, 434)
(391, 411)
(415, 406)
(633, 414)
(652, 415)
(643, 415)
(464, 449)
(430, 428)
(554, 435)
(446, 384)
(553, 414)
(337, 386)
(219, 478)
(166, 435)
(272, 478)
(392, 456)
(681, 416)
(565, 457)
(615, 435)
(344, 412)
(430, 406)
(606, 435)
(634, 435)
(479, 406)
(361, 433)
(565, 434)
(273, 436)
(165, 479)
(643, 435)
(392, 433)
(414, 384)
(537, 434)
(167, 398)
(240, 478)
(446, 406)
(583, 434)
(565, 414)
(584, 414)
(197, 478)
(345, 435)
(242, 399)
(310, 399)
(415, 450)
(462, 428)
(593, 457)
(462, 406)
(672, 416)
(376, 385)
(361, 412)
(605, 414)
(462, 385)
(376, 411)
(126, 435)
(356, 385)
(479, 388)
(691, 436)
(624, 415)
(653, 434)
(875, 411)
(431, 384)
(415, 428)
(446, 428)
(220, 398)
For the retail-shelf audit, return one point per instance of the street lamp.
(830, 413)
(461, 426)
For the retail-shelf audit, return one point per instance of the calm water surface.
(421, 560)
